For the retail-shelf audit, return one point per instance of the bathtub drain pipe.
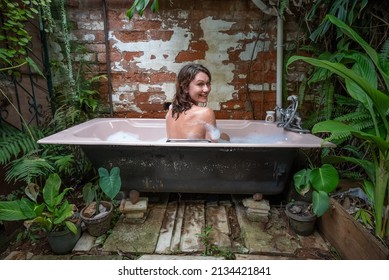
(280, 44)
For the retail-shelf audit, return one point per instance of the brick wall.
(232, 38)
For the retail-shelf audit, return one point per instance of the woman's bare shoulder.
(206, 114)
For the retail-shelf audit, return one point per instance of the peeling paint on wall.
(236, 42)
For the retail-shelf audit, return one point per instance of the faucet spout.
(290, 119)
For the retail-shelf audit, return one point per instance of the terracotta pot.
(98, 226)
(301, 224)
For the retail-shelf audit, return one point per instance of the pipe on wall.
(280, 45)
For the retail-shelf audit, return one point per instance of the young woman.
(186, 118)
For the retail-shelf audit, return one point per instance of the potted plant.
(321, 180)
(55, 216)
(98, 212)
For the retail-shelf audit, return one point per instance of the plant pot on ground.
(63, 241)
(98, 212)
(301, 218)
(302, 215)
(52, 215)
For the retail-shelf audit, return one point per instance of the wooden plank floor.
(174, 225)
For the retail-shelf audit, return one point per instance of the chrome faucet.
(290, 119)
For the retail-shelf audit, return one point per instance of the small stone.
(90, 210)
(134, 196)
(258, 197)
(127, 206)
(251, 203)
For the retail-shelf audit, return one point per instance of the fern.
(384, 56)
(28, 168)
(14, 143)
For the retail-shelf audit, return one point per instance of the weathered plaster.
(163, 51)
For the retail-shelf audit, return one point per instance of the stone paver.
(85, 243)
(136, 238)
(265, 238)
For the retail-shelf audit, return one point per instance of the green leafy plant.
(209, 248)
(51, 214)
(366, 79)
(139, 6)
(323, 180)
(15, 37)
(108, 186)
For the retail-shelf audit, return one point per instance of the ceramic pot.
(302, 224)
(63, 242)
(97, 226)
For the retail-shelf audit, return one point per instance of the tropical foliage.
(50, 215)
(323, 180)
(366, 79)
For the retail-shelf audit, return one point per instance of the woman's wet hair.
(182, 100)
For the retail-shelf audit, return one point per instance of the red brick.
(198, 46)
(145, 25)
(189, 56)
(162, 77)
(163, 35)
(129, 56)
(131, 36)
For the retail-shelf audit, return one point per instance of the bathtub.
(258, 159)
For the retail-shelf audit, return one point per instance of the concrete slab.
(95, 257)
(179, 257)
(136, 238)
(194, 223)
(52, 257)
(19, 255)
(265, 238)
(261, 257)
(85, 243)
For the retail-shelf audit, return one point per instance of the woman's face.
(199, 88)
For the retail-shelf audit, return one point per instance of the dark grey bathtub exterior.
(197, 169)
(152, 165)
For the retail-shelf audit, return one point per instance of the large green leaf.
(324, 178)
(63, 213)
(10, 211)
(320, 203)
(368, 49)
(88, 193)
(380, 99)
(364, 67)
(71, 226)
(368, 166)
(51, 190)
(376, 140)
(110, 182)
(301, 181)
(28, 208)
